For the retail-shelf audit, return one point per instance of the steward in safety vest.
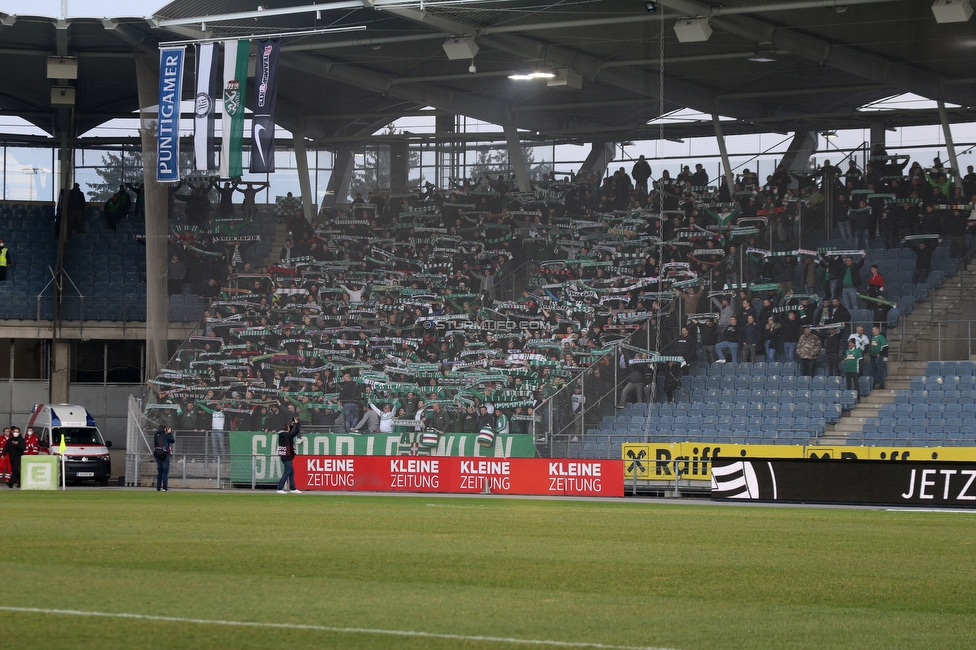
(4, 260)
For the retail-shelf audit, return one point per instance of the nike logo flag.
(262, 120)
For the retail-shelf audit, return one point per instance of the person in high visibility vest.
(4, 260)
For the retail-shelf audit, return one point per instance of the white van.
(86, 456)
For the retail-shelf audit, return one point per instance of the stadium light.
(952, 11)
(692, 30)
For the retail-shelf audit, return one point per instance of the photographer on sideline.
(162, 452)
(286, 451)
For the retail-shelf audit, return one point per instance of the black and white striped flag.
(205, 99)
(735, 481)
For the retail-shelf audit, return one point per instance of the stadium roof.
(818, 62)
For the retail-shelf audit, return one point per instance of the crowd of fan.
(400, 312)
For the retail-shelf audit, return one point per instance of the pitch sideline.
(325, 628)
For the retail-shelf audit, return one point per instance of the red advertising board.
(456, 475)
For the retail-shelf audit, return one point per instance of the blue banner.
(168, 124)
(262, 121)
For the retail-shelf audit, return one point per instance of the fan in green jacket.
(852, 364)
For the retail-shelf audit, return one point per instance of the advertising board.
(255, 452)
(919, 483)
(457, 475)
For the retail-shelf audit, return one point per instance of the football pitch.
(124, 569)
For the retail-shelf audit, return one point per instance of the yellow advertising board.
(964, 454)
(655, 462)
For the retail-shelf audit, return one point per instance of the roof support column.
(157, 229)
(950, 145)
(338, 188)
(399, 157)
(601, 153)
(60, 366)
(309, 204)
(801, 149)
(726, 163)
(879, 134)
(517, 158)
(445, 152)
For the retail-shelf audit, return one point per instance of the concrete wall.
(108, 404)
(17, 399)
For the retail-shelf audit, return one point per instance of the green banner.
(256, 451)
(236, 55)
(39, 472)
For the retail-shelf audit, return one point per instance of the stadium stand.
(938, 409)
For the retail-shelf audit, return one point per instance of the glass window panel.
(29, 176)
(31, 359)
(125, 362)
(5, 358)
(88, 362)
(322, 178)
(284, 181)
(285, 159)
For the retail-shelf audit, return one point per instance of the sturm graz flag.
(204, 105)
(262, 120)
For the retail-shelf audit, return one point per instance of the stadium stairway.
(280, 235)
(900, 374)
(914, 338)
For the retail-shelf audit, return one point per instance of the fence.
(944, 340)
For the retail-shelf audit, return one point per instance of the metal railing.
(944, 340)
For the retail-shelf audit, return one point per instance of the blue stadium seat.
(832, 413)
(865, 384)
(849, 399)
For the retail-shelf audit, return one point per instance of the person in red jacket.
(4, 460)
(32, 444)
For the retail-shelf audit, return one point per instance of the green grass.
(636, 574)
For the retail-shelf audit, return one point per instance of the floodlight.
(62, 67)
(952, 11)
(692, 30)
(765, 53)
(460, 48)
